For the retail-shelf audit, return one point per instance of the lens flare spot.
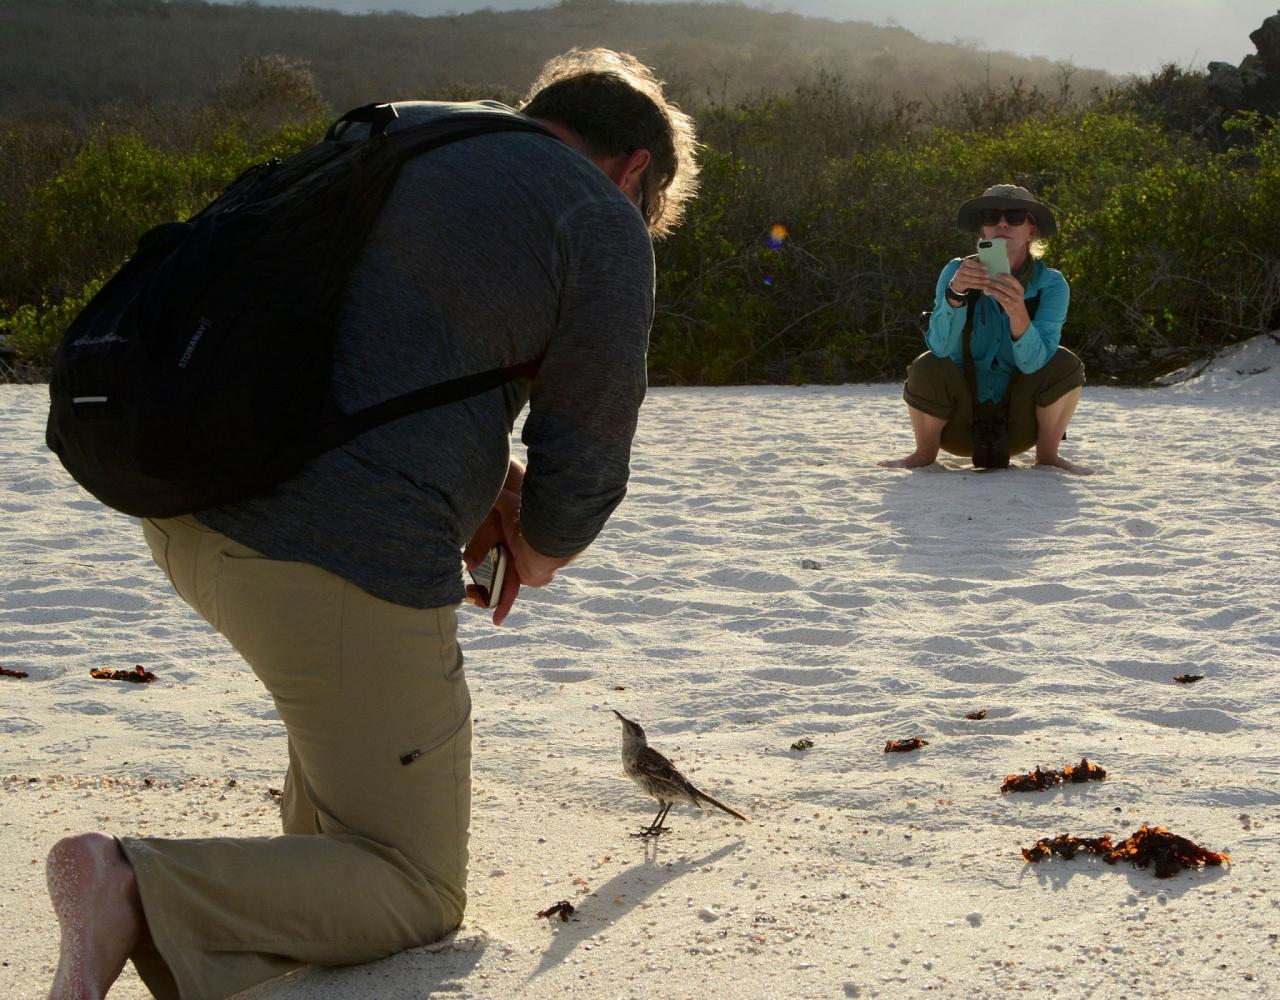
(777, 236)
(768, 279)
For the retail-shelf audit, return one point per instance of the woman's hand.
(972, 274)
(1008, 292)
(1005, 289)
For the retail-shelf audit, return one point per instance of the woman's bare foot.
(95, 897)
(1058, 462)
(912, 461)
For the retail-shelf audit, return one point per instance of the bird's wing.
(659, 771)
(656, 767)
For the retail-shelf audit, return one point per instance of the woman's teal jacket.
(996, 355)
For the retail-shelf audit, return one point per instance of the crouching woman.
(1017, 322)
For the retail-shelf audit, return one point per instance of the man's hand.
(526, 566)
(534, 568)
(486, 537)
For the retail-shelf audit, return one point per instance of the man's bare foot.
(95, 896)
(912, 461)
(1058, 462)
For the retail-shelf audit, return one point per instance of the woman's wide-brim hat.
(1006, 196)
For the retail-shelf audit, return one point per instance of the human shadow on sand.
(939, 513)
(442, 968)
(621, 894)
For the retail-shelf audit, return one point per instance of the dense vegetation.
(1168, 239)
(826, 210)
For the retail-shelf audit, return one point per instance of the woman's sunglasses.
(1013, 216)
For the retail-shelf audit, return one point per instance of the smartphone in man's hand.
(488, 575)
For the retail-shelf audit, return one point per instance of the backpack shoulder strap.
(414, 139)
(1033, 304)
(379, 116)
(407, 143)
(970, 371)
(350, 425)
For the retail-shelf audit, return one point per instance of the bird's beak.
(621, 717)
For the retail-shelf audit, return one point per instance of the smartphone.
(488, 574)
(995, 254)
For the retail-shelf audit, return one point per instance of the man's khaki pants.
(376, 801)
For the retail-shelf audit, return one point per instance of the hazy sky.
(1123, 36)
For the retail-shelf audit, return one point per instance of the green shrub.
(815, 242)
(81, 222)
(33, 331)
(1167, 244)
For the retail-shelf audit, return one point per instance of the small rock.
(974, 918)
(708, 914)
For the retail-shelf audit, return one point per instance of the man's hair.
(616, 105)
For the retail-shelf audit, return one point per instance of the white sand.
(1064, 606)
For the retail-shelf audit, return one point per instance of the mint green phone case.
(995, 255)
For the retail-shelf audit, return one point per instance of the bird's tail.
(704, 797)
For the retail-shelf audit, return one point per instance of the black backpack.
(989, 431)
(200, 373)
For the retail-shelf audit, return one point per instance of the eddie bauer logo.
(106, 338)
(201, 330)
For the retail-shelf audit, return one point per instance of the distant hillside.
(74, 56)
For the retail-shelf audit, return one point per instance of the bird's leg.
(648, 831)
(655, 828)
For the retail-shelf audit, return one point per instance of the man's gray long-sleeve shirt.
(489, 252)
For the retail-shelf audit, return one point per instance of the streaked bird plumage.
(659, 778)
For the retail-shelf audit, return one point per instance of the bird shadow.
(618, 896)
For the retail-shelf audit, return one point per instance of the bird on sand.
(659, 778)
